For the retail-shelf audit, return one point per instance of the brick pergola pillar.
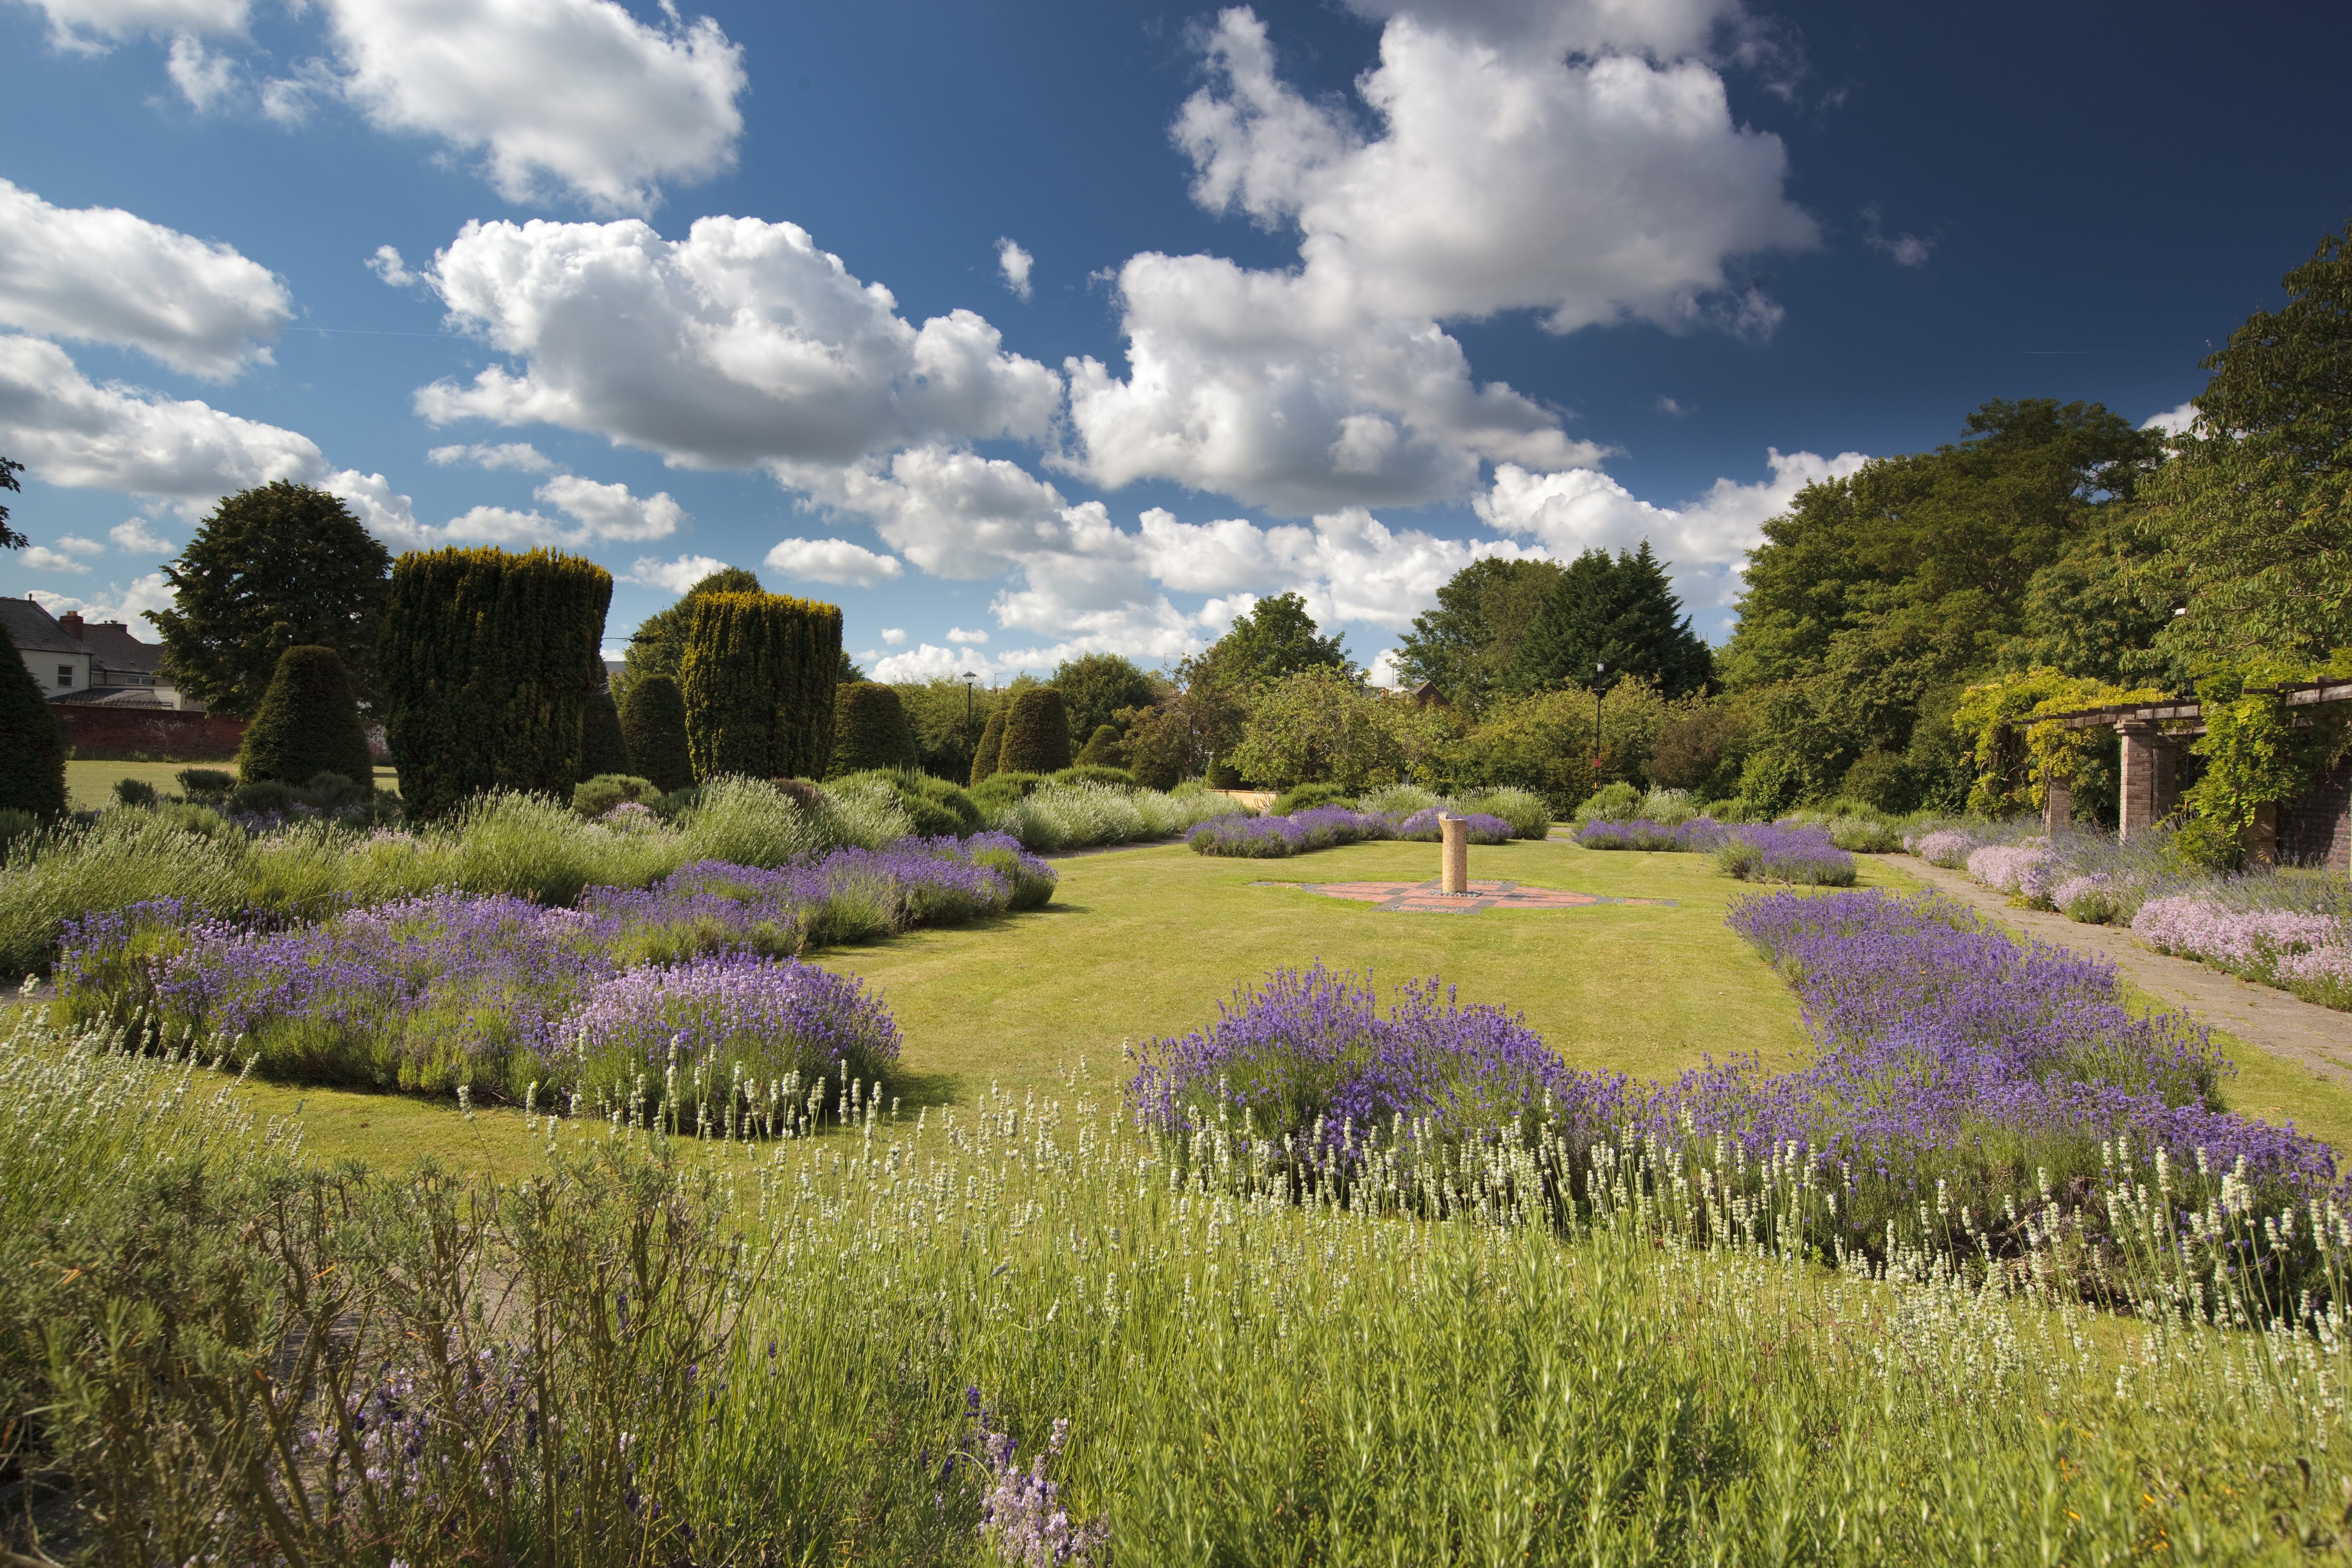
(2057, 804)
(2142, 799)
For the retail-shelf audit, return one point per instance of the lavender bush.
(1775, 854)
(1323, 826)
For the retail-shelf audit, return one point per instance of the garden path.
(2285, 1025)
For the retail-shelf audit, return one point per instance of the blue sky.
(1027, 329)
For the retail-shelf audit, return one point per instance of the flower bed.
(2305, 952)
(1323, 826)
(1801, 853)
(489, 990)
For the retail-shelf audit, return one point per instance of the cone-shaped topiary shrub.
(602, 747)
(869, 729)
(308, 723)
(654, 728)
(1037, 733)
(1103, 749)
(487, 660)
(32, 742)
(991, 741)
(758, 679)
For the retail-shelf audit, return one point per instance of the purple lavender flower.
(734, 1014)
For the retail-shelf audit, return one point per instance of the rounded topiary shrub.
(595, 797)
(1103, 749)
(1037, 733)
(307, 724)
(653, 726)
(1299, 798)
(869, 729)
(992, 742)
(32, 742)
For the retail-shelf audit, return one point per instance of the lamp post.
(971, 743)
(1597, 671)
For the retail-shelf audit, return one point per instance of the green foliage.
(604, 748)
(1543, 743)
(658, 644)
(1004, 786)
(1467, 644)
(16, 824)
(32, 742)
(1299, 797)
(1176, 738)
(991, 747)
(2257, 756)
(1037, 733)
(1877, 596)
(487, 659)
(1604, 620)
(1094, 773)
(870, 730)
(2256, 509)
(1524, 809)
(9, 538)
(2097, 611)
(1702, 749)
(949, 718)
(1103, 749)
(1277, 637)
(934, 806)
(1319, 725)
(758, 678)
(1884, 781)
(280, 566)
(307, 724)
(209, 783)
(133, 792)
(1096, 687)
(595, 797)
(2014, 756)
(1618, 802)
(653, 728)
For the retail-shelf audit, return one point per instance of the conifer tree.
(603, 748)
(870, 730)
(1037, 733)
(758, 678)
(1621, 614)
(991, 744)
(1102, 749)
(32, 742)
(654, 726)
(307, 724)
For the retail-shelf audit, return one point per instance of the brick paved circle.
(1425, 897)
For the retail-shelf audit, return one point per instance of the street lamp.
(971, 743)
(1597, 671)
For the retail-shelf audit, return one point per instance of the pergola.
(2153, 733)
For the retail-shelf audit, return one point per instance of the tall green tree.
(32, 742)
(653, 725)
(1467, 644)
(1621, 615)
(9, 538)
(658, 643)
(2255, 509)
(1095, 687)
(272, 568)
(1876, 597)
(1277, 637)
(758, 678)
(869, 729)
(307, 724)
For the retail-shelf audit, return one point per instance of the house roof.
(112, 644)
(34, 630)
(112, 696)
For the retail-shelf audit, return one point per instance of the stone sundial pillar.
(1453, 876)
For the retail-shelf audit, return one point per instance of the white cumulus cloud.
(2172, 421)
(1664, 28)
(892, 636)
(598, 512)
(91, 26)
(108, 276)
(134, 535)
(74, 544)
(741, 344)
(957, 635)
(575, 96)
(676, 575)
(1014, 263)
(519, 454)
(118, 603)
(832, 561)
(929, 661)
(41, 557)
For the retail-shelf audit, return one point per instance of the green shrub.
(992, 742)
(32, 742)
(1223, 775)
(1401, 799)
(595, 797)
(308, 723)
(758, 678)
(1884, 780)
(208, 783)
(133, 792)
(1103, 749)
(1526, 811)
(1000, 789)
(486, 661)
(16, 824)
(604, 748)
(870, 730)
(1618, 802)
(1083, 772)
(1299, 797)
(652, 727)
(1037, 733)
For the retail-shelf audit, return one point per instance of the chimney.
(71, 621)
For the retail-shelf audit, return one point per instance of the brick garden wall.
(156, 735)
(2316, 830)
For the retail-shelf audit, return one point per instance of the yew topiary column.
(488, 660)
(603, 748)
(307, 724)
(653, 725)
(32, 742)
(992, 742)
(758, 678)
(870, 730)
(1037, 733)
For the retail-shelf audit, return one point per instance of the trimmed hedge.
(1037, 733)
(1103, 749)
(991, 743)
(486, 661)
(870, 730)
(652, 727)
(602, 747)
(308, 723)
(32, 742)
(758, 678)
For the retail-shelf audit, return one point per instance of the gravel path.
(2285, 1025)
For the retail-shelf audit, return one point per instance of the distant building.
(90, 665)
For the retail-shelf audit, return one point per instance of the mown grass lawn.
(89, 784)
